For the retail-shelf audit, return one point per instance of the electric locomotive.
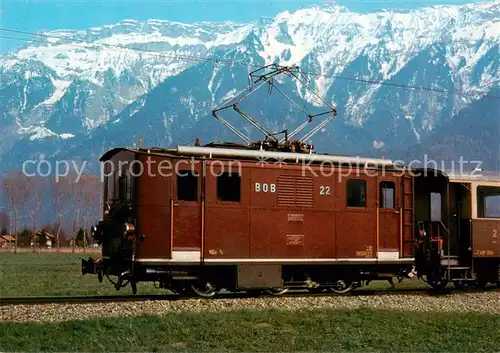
(276, 215)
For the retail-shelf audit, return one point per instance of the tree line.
(70, 198)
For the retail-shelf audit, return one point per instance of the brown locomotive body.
(229, 217)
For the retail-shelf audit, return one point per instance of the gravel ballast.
(474, 302)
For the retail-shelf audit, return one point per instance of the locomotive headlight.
(128, 228)
(93, 229)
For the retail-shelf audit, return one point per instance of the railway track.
(228, 295)
(85, 299)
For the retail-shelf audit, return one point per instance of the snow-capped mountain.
(69, 82)
(75, 93)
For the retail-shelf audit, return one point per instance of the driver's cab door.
(389, 215)
(187, 213)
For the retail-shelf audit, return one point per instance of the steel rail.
(240, 295)
(84, 299)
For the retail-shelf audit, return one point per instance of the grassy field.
(51, 274)
(29, 274)
(264, 330)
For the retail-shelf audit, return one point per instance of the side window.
(435, 207)
(488, 202)
(356, 193)
(229, 187)
(187, 186)
(387, 194)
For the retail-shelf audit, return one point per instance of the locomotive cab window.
(488, 202)
(122, 187)
(187, 186)
(122, 184)
(387, 194)
(229, 187)
(356, 193)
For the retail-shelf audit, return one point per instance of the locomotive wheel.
(481, 280)
(437, 283)
(254, 292)
(462, 284)
(480, 283)
(276, 291)
(204, 289)
(316, 290)
(437, 279)
(343, 286)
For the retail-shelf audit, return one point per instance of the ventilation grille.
(295, 191)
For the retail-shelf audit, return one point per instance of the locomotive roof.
(240, 152)
(235, 151)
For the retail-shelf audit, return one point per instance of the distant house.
(6, 241)
(50, 238)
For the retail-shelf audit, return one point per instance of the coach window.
(488, 202)
(356, 193)
(229, 187)
(387, 194)
(187, 186)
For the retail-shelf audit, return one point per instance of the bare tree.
(91, 198)
(4, 223)
(15, 185)
(61, 192)
(78, 192)
(35, 192)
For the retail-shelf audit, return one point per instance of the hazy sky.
(79, 14)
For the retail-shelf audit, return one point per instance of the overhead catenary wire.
(172, 55)
(112, 47)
